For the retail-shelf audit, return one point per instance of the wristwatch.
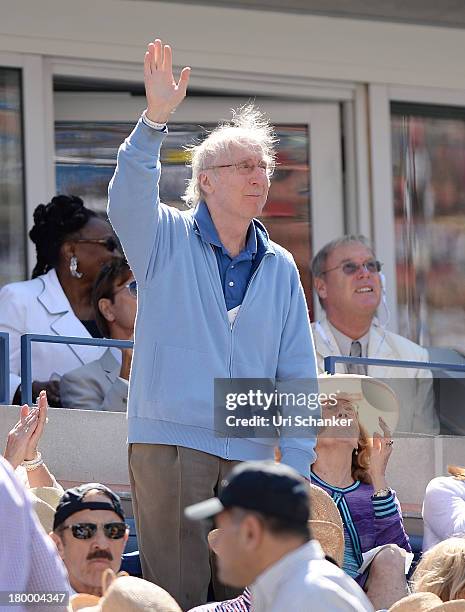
(382, 492)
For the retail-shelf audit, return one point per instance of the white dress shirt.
(303, 580)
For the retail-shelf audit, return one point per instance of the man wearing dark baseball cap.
(90, 534)
(262, 514)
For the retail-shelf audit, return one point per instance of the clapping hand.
(162, 92)
(23, 439)
(52, 387)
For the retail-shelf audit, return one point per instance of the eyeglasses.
(373, 266)
(246, 167)
(85, 531)
(131, 287)
(109, 243)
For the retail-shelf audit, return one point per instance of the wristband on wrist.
(33, 464)
(153, 124)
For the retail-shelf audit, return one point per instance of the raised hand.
(42, 407)
(52, 387)
(162, 92)
(379, 456)
(19, 438)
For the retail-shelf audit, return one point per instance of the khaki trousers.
(174, 550)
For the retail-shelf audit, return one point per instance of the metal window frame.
(380, 98)
(4, 368)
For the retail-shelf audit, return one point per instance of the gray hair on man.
(248, 126)
(319, 261)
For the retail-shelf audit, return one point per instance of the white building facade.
(370, 115)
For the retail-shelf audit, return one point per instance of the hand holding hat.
(371, 399)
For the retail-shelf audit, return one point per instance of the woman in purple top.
(351, 468)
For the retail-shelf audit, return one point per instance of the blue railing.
(4, 368)
(26, 350)
(26, 361)
(447, 397)
(330, 363)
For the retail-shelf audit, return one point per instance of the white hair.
(248, 126)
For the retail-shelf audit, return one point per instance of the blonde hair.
(248, 126)
(441, 570)
(361, 456)
(456, 471)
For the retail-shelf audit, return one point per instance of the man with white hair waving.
(217, 299)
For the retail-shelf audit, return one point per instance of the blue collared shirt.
(235, 272)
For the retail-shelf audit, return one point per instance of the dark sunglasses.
(350, 267)
(109, 243)
(85, 531)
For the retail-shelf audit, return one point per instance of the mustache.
(100, 554)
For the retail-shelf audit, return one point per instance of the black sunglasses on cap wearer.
(109, 243)
(373, 266)
(85, 531)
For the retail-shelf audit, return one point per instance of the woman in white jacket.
(72, 244)
(444, 507)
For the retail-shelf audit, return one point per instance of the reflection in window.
(86, 157)
(12, 247)
(429, 200)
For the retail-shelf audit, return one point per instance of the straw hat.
(455, 605)
(125, 594)
(45, 501)
(326, 524)
(331, 539)
(418, 602)
(322, 506)
(371, 398)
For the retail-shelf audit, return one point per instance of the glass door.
(428, 154)
(305, 204)
(12, 177)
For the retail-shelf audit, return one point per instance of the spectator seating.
(131, 561)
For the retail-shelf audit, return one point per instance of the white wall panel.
(261, 43)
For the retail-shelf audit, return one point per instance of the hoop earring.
(73, 264)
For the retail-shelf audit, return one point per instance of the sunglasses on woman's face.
(131, 287)
(85, 531)
(109, 243)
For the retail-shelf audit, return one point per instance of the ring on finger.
(389, 442)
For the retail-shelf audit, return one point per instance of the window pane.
(86, 158)
(429, 196)
(12, 247)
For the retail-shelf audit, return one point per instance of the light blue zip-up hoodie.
(183, 338)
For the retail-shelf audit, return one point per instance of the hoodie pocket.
(182, 387)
